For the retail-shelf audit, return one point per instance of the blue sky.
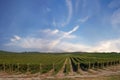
(64, 25)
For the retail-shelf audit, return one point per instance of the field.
(58, 64)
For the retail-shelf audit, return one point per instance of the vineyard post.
(78, 66)
(93, 66)
(103, 65)
(114, 66)
(114, 63)
(40, 69)
(110, 63)
(11, 68)
(53, 68)
(28, 67)
(4, 67)
(18, 67)
(98, 65)
(89, 65)
(106, 64)
(117, 62)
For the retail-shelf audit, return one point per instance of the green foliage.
(35, 62)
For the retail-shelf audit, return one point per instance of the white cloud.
(108, 46)
(82, 20)
(15, 38)
(71, 47)
(115, 19)
(45, 44)
(50, 32)
(61, 44)
(66, 35)
(70, 32)
(102, 46)
(58, 45)
(56, 33)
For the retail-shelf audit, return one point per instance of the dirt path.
(71, 68)
(113, 70)
(60, 73)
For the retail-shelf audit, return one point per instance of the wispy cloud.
(55, 42)
(56, 34)
(54, 22)
(70, 32)
(115, 19)
(84, 19)
(50, 32)
(43, 44)
(39, 44)
(77, 5)
(70, 11)
(15, 38)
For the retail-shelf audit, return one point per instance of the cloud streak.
(115, 19)
(70, 11)
(54, 43)
(45, 43)
(82, 20)
(56, 34)
(15, 38)
(77, 5)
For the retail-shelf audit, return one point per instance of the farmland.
(56, 64)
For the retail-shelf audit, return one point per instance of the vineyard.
(55, 63)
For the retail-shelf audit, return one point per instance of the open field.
(86, 66)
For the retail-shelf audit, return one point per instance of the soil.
(99, 74)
